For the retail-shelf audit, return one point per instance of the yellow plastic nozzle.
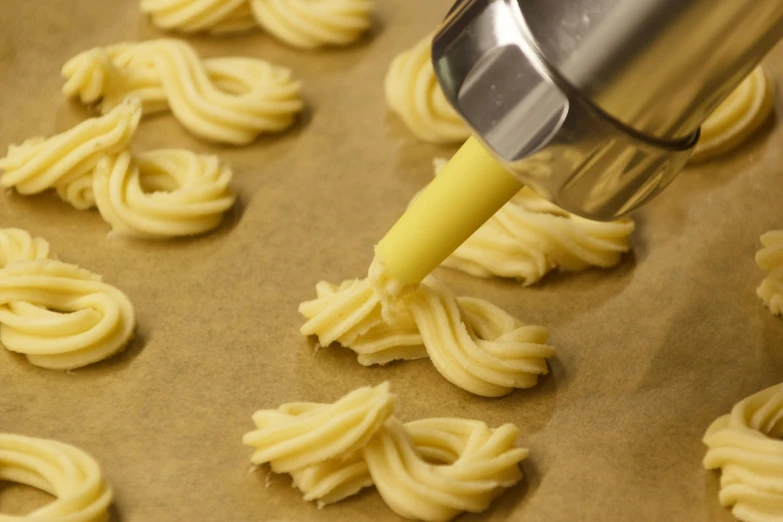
(469, 191)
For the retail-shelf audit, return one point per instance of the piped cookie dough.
(60, 316)
(431, 469)
(413, 93)
(738, 117)
(747, 446)
(309, 24)
(530, 237)
(163, 193)
(474, 344)
(65, 472)
(196, 16)
(770, 258)
(305, 24)
(18, 245)
(156, 194)
(225, 100)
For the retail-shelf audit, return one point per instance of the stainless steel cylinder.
(597, 103)
(658, 66)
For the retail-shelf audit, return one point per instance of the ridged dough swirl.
(770, 258)
(430, 469)
(156, 194)
(296, 436)
(65, 472)
(194, 16)
(747, 446)
(18, 245)
(529, 237)
(59, 316)
(738, 117)
(66, 161)
(309, 24)
(413, 93)
(473, 344)
(162, 193)
(305, 24)
(226, 100)
(486, 464)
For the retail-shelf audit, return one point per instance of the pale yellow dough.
(19, 245)
(413, 93)
(309, 24)
(226, 100)
(288, 440)
(473, 344)
(747, 446)
(156, 194)
(67, 473)
(738, 117)
(59, 316)
(194, 16)
(306, 24)
(163, 193)
(529, 237)
(770, 258)
(66, 161)
(431, 469)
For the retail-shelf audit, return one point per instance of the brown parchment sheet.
(648, 355)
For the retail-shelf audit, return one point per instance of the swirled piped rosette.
(67, 473)
(413, 93)
(305, 24)
(65, 162)
(296, 436)
(155, 194)
(739, 116)
(59, 316)
(473, 344)
(747, 446)
(226, 100)
(19, 245)
(162, 193)
(770, 258)
(195, 16)
(309, 24)
(430, 469)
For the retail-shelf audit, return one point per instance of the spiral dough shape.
(194, 16)
(413, 93)
(770, 258)
(309, 24)
(738, 117)
(486, 464)
(162, 193)
(18, 245)
(431, 469)
(296, 436)
(746, 445)
(473, 344)
(65, 472)
(59, 316)
(156, 194)
(226, 100)
(305, 24)
(65, 162)
(529, 237)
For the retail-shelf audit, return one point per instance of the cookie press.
(594, 104)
